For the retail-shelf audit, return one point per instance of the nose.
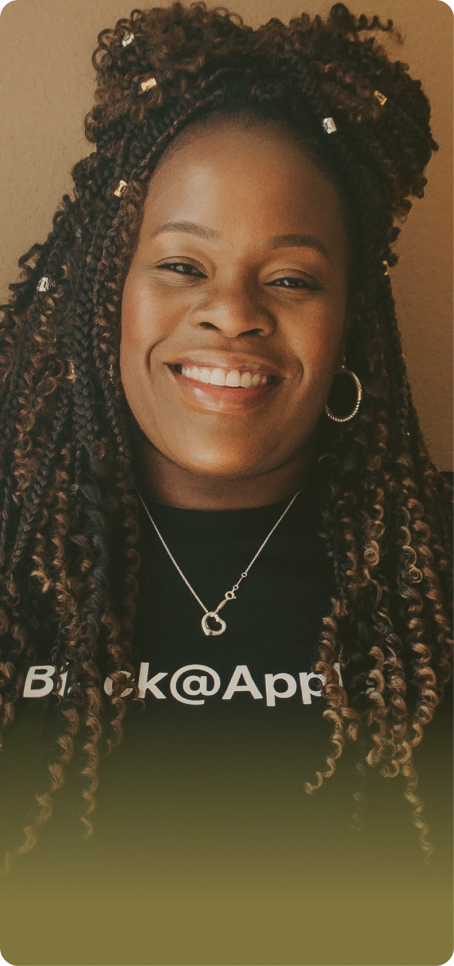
(234, 310)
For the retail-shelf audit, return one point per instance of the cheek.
(323, 355)
(140, 318)
(318, 343)
(140, 326)
(133, 314)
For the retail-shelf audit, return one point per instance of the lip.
(221, 399)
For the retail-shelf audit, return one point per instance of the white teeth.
(232, 378)
(218, 377)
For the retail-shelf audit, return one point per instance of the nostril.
(207, 325)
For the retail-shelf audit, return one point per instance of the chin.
(221, 467)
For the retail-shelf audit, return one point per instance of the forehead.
(232, 175)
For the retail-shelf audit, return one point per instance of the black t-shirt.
(205, 798)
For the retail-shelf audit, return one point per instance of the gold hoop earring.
(359, 391)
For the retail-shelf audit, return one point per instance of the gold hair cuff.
(71, 371)
(380, 98)
(44, 284)
(146, 85)
(329, 125)
(121, 188)
(386, 272)
(127, 40)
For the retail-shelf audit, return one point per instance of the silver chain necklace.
(230, 595)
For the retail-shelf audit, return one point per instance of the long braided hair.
(69, 515)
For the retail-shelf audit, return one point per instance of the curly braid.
(69, 519)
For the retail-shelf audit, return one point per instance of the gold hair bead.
(127, 40)
(380, 98)
(146, 85)
(386, 272)
(121, 188)
(44, 284)
(71, 371)
(329, 125)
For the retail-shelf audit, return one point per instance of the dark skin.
(240, 275)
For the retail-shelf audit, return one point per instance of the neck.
(161, 481)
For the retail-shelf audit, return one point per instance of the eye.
(289, 281)
(182, 268)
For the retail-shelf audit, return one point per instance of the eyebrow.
(300, 241)
(279, 241)
(190, 227)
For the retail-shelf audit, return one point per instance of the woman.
(225, 591)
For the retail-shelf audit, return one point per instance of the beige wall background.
(46, 88)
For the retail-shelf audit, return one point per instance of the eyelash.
(173, 267)
(301, 283)
(296, 283)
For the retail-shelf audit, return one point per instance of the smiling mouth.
(225, 378)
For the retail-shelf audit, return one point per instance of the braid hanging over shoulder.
(69, 514)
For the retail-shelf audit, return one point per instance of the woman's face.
(234, 310)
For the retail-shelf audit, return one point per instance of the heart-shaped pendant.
(208, 630)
